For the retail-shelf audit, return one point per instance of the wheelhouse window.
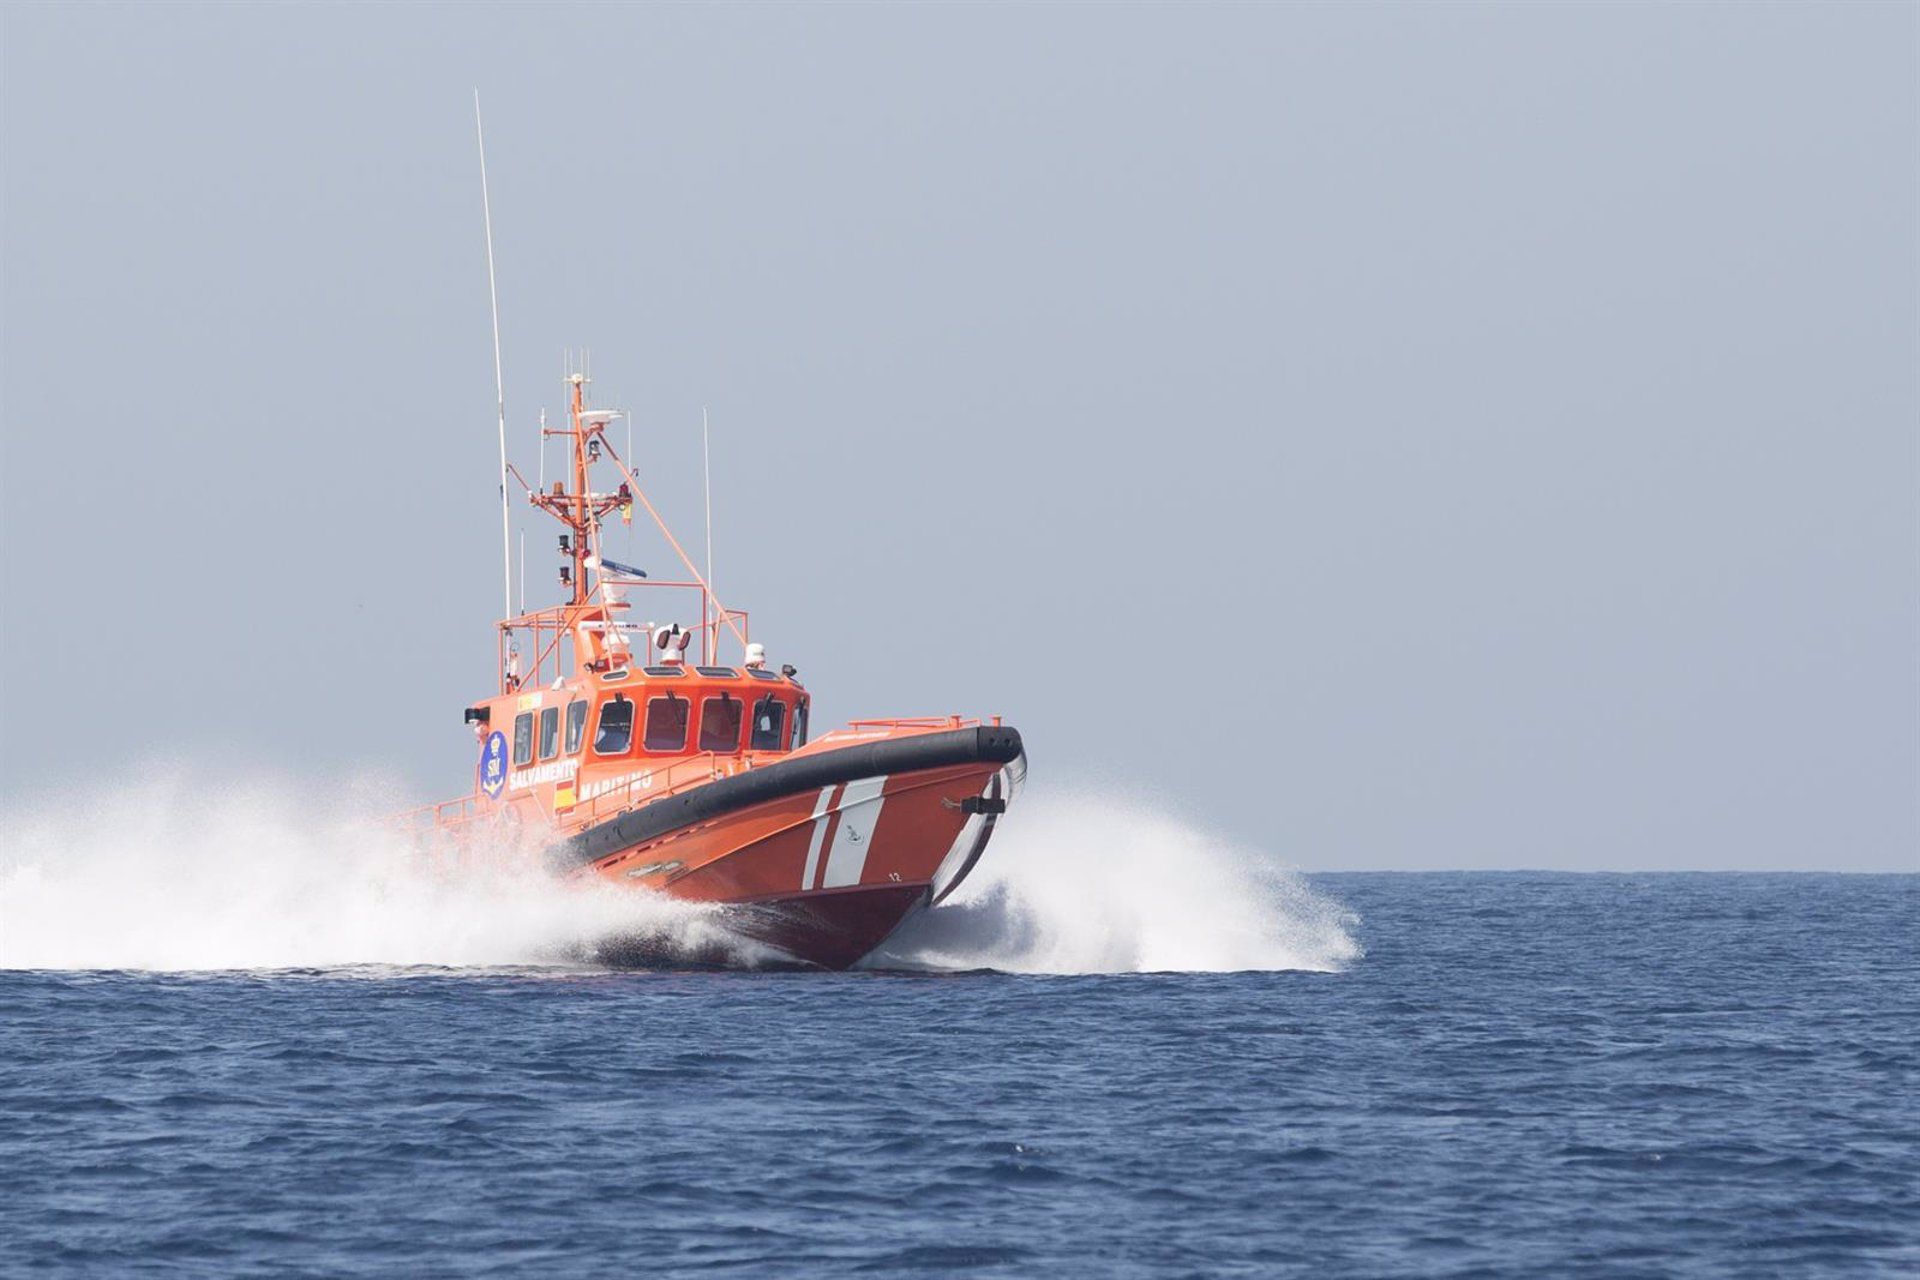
(667, 723)
(523, 739)
(720, 723)
(549, 732)
(769, 724)
(799, 739)
(576, 724)
(615, 733)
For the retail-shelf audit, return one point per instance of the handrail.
(441, 813)
(663, 778)
(677, 773)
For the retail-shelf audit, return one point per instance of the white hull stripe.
(853, 838)
(821, 806)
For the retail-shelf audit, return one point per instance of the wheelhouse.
(664, 712)
(707, 711)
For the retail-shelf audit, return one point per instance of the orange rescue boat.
(626, 761)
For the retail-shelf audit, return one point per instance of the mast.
(591, 623)
(572, 501)
(710, 638)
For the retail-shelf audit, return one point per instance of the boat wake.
(1082, 884)
(175, 874)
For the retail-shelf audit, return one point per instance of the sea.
(243, 1040)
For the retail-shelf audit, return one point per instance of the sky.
(1388, 436)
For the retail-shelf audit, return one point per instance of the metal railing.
(654, 779)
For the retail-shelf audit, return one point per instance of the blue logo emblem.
(493, 764)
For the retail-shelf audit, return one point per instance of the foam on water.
(177, 874)
(174, 873)
(1089, 884)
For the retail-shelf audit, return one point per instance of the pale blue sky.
(1397, 436)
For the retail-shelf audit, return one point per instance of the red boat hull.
(824, 856)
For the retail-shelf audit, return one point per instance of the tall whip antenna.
(706, 484)
(499, 378)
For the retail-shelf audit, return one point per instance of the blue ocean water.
(1523, 1074)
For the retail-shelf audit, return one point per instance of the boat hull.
(825, 855)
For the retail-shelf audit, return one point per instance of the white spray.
(171, 873)
(1091, 884)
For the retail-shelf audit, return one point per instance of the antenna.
(706, 484)
(499, 378)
